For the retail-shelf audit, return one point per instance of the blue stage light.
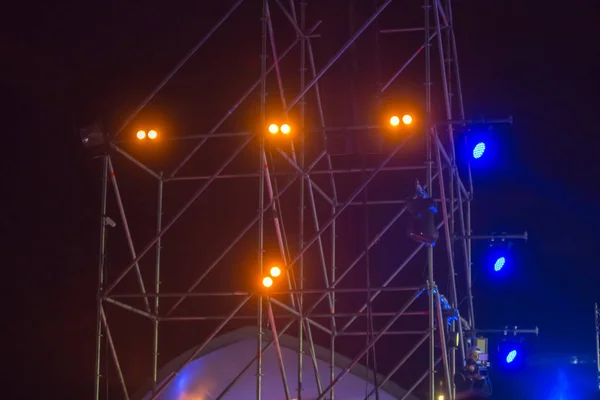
(478, 150)
(499, 263)
(511, 356)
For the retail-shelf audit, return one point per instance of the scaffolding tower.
(327, 203)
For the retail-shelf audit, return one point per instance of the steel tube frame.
(429, 180)
(278, 349)
(400, 364)
(312, 172)
(125, 223)
(198, 350)
(305, 316)
(261, 193)
(159, 213)
(371, 343)
(180, 64)
(101, 277)
(174, 219)
(113, 352)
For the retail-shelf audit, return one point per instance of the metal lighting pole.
(429, 162)
(261, 195)
(597, 319)
(101, 263)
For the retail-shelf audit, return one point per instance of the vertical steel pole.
(429, 162)
(261, 193)
(470, 264)
(301, 211)
(332, 306)
(101, 265)
(597, 318)
(442, 324)
(159, 213)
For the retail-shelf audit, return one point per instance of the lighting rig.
(439, 197)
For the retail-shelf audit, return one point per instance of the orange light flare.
(152, 134)
(285, 129)
(141, 135)
(267, 281)
(407, 119)
(394, 120)
(275, 271)
(273, 129)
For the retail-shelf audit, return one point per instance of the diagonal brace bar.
(199, 349)
(338, 54)
(125, 223)
(236, 105)
(241, 235)
(177, 68)
(387, 326)
(347, 203)
(177, 216)
(113, 351)
(278, 350)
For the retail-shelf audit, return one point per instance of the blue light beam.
(478, 150)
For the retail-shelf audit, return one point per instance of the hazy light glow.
(407, 119)
(273, 129)
(152, 134)
(395, 120)
(285, 129)
(141, 134)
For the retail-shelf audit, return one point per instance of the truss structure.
(328, 203)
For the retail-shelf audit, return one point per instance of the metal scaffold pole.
(159, 215)
(429, 181)
(101, 265)
(597, 319)
(261, 197)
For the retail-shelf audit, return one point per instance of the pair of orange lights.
(274, 272)
(141, 135)
(284, 129)
(394, 121)
(406, 119)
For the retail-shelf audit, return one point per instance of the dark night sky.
(67, 63)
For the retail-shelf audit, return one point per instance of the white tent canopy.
(225, 357)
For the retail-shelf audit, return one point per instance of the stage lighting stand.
(296, 200)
